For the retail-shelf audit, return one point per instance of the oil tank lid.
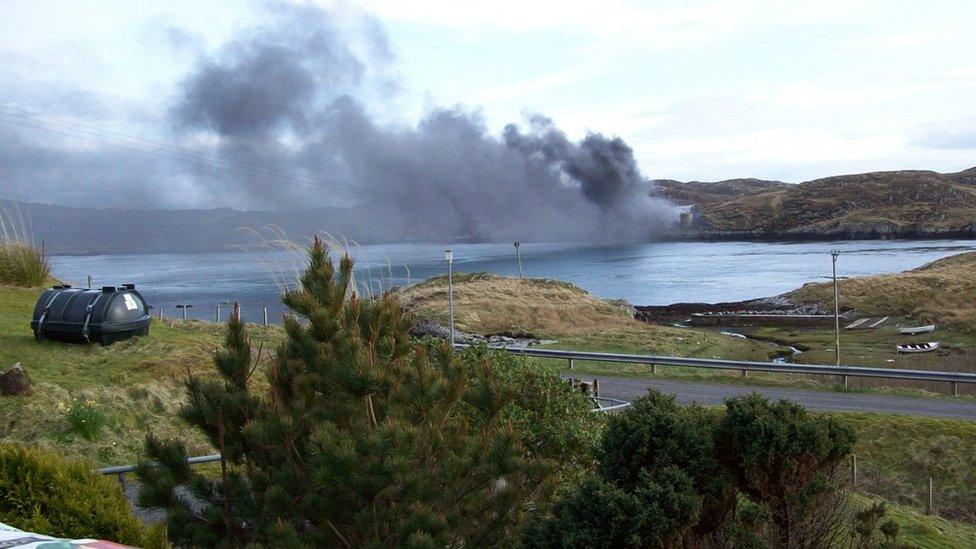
(129, 286)
(108, 289)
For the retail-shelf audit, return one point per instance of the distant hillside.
(902, 204)
(84, 231)
(942, 292)
(694, 193)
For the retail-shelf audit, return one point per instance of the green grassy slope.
(897, 454)
(135, 384)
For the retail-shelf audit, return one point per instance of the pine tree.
(361, 438)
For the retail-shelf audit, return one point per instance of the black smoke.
(288, 95)
(297, 111)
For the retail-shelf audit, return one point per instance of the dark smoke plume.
(296, 103)
(287, 95)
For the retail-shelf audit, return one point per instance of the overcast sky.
(700, 90)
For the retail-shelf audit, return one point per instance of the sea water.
(644, 274)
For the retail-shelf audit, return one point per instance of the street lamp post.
(833, 255)
(518, 256)
(449, 256)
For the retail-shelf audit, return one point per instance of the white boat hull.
(915, 330)
(918, 347)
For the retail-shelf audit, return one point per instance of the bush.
(552, 418)
(600, 514)
(43, 493)
(762, 475)
(787, 460)
(22, 265)
(867, 521)
(84, 419)
(657, 433)
(657, 469)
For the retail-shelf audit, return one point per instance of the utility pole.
(518, 256)
(833, 255)
(449, 256)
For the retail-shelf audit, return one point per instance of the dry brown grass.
(489, 304)
(942, 292)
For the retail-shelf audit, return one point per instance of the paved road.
(626, 388)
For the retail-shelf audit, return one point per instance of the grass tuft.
(84, 419)
(22, 265)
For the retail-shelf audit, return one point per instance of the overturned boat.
(915, 330)
(917, 347)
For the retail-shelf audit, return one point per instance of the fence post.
(928, 505)
(217, 316)
(596, 387)
(854, 470)
(570, 364)
(265, 316)
(160, 314)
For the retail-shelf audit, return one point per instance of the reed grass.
(21, 263)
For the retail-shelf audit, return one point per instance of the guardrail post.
(843, 379)
(654, 369)
(955, 388)
(596, 387)
(745, 373)
(122, 480)
(265, 316)
(570, 364)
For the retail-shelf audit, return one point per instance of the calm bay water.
(646, 274)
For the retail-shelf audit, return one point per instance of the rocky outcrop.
(426, 328)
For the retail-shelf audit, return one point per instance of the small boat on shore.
(915, 330)
(917, 347)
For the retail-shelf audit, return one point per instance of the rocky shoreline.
(430, 329)
(880, 232)
(766, 306)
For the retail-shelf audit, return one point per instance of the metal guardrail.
(122, 470)
(953, 378)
